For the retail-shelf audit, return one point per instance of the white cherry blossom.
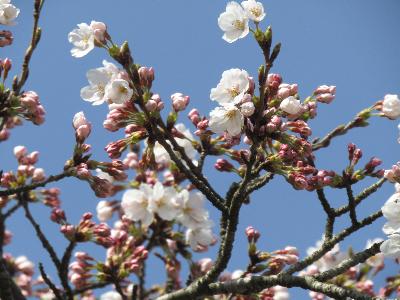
(391, 106)
(291, 106)
(201, 236)
(281, 293)
(391, 247)
(233, 85)
(99, 79)
(118, 91)
(104, 211)
(391, 208)
(254, 10)
(95, 92)
(193, 214)
(165, 202)
(136, 204)
(8, 13)
(234, 22)
(227, 118)
(111, 295)
(82, 38)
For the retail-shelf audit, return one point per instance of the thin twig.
(36, 33)
(33, 186)
(51, 285)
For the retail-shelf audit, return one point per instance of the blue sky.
(351, 44)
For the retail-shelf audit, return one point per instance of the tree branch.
(33, 186)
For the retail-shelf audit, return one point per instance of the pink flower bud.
(274, 80)
(223, 165)
(194, 116)
(99, 30)
(325, 98)
(252, 234)
(151, 105)
(179, 101)
(20, 151)
(82, 126)
(146, 76)
(58, 216)
(38, 175)
(203, 125)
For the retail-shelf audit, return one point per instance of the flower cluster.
(107, 84)
(147, 202)
(235, 20)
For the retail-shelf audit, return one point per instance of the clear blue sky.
(351, 44)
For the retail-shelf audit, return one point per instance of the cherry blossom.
(227, 118)
(233, 85)
(234, 22)
(391, 247)
(193, 214)
(391, 106)
(202, 237)
(136, 204)
(82, 38)
(111, 295)
(104, 211)
(118, 91)
(8, 12)
(291, 106)
(254, 10)
(164, 202)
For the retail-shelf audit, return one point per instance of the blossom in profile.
(227, 118)
(199, 237)
(254, 10)
(391, 106)
(391, 247)
(234, 22)
(8, 12)
(233, 85)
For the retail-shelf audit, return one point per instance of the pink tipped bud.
(38, 175)
(325, 98)
(179, 101)
(146, 76)
(202, 125)
(274, 80)
(99, 31)
(151, 105)
(82, 126)
(252, 234)
(20, 151)
(194, 116)
(58, 216)
(223, 165)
